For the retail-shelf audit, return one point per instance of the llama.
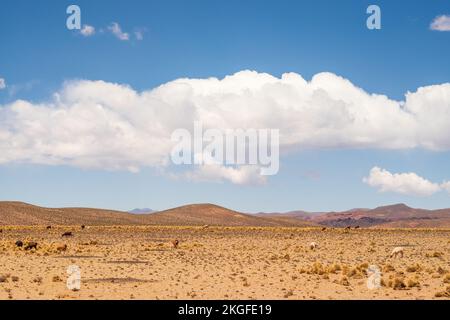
(31, 245)
(61, 247)
(397, 251)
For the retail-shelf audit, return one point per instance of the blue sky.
(202, 39)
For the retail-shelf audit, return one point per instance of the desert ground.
(140, 262)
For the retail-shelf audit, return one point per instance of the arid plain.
(140, 262)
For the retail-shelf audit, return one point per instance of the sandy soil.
(223, 263)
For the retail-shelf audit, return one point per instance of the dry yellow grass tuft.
(443, 294)
(388, 268)
(435, 254)
(411, 283)
(344, 281)
(335, 267)
(440, 270)
(447, 278)
(397, 284)
(414, 268)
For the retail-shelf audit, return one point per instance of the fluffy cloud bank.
(97, 124)
(441, 23)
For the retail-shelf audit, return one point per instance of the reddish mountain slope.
(394, 216)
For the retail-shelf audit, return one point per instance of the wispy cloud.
(139, 34)
(14, 89)
(116, 30)
(2, 84)
(87, 30)
(441, 23)
(446, 186)
(404, 183)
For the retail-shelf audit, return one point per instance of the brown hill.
(210, 214)
(19, 213)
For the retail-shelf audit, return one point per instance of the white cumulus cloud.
(117, 31)
(87, 30)
(98, 124)
(242, 175)
(403, 183)
(441, 23)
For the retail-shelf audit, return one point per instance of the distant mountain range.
(141, 211)
(393, 216)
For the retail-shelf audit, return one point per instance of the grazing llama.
(31, 245)
(397, 251)
(313, 245)
(61, 247)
